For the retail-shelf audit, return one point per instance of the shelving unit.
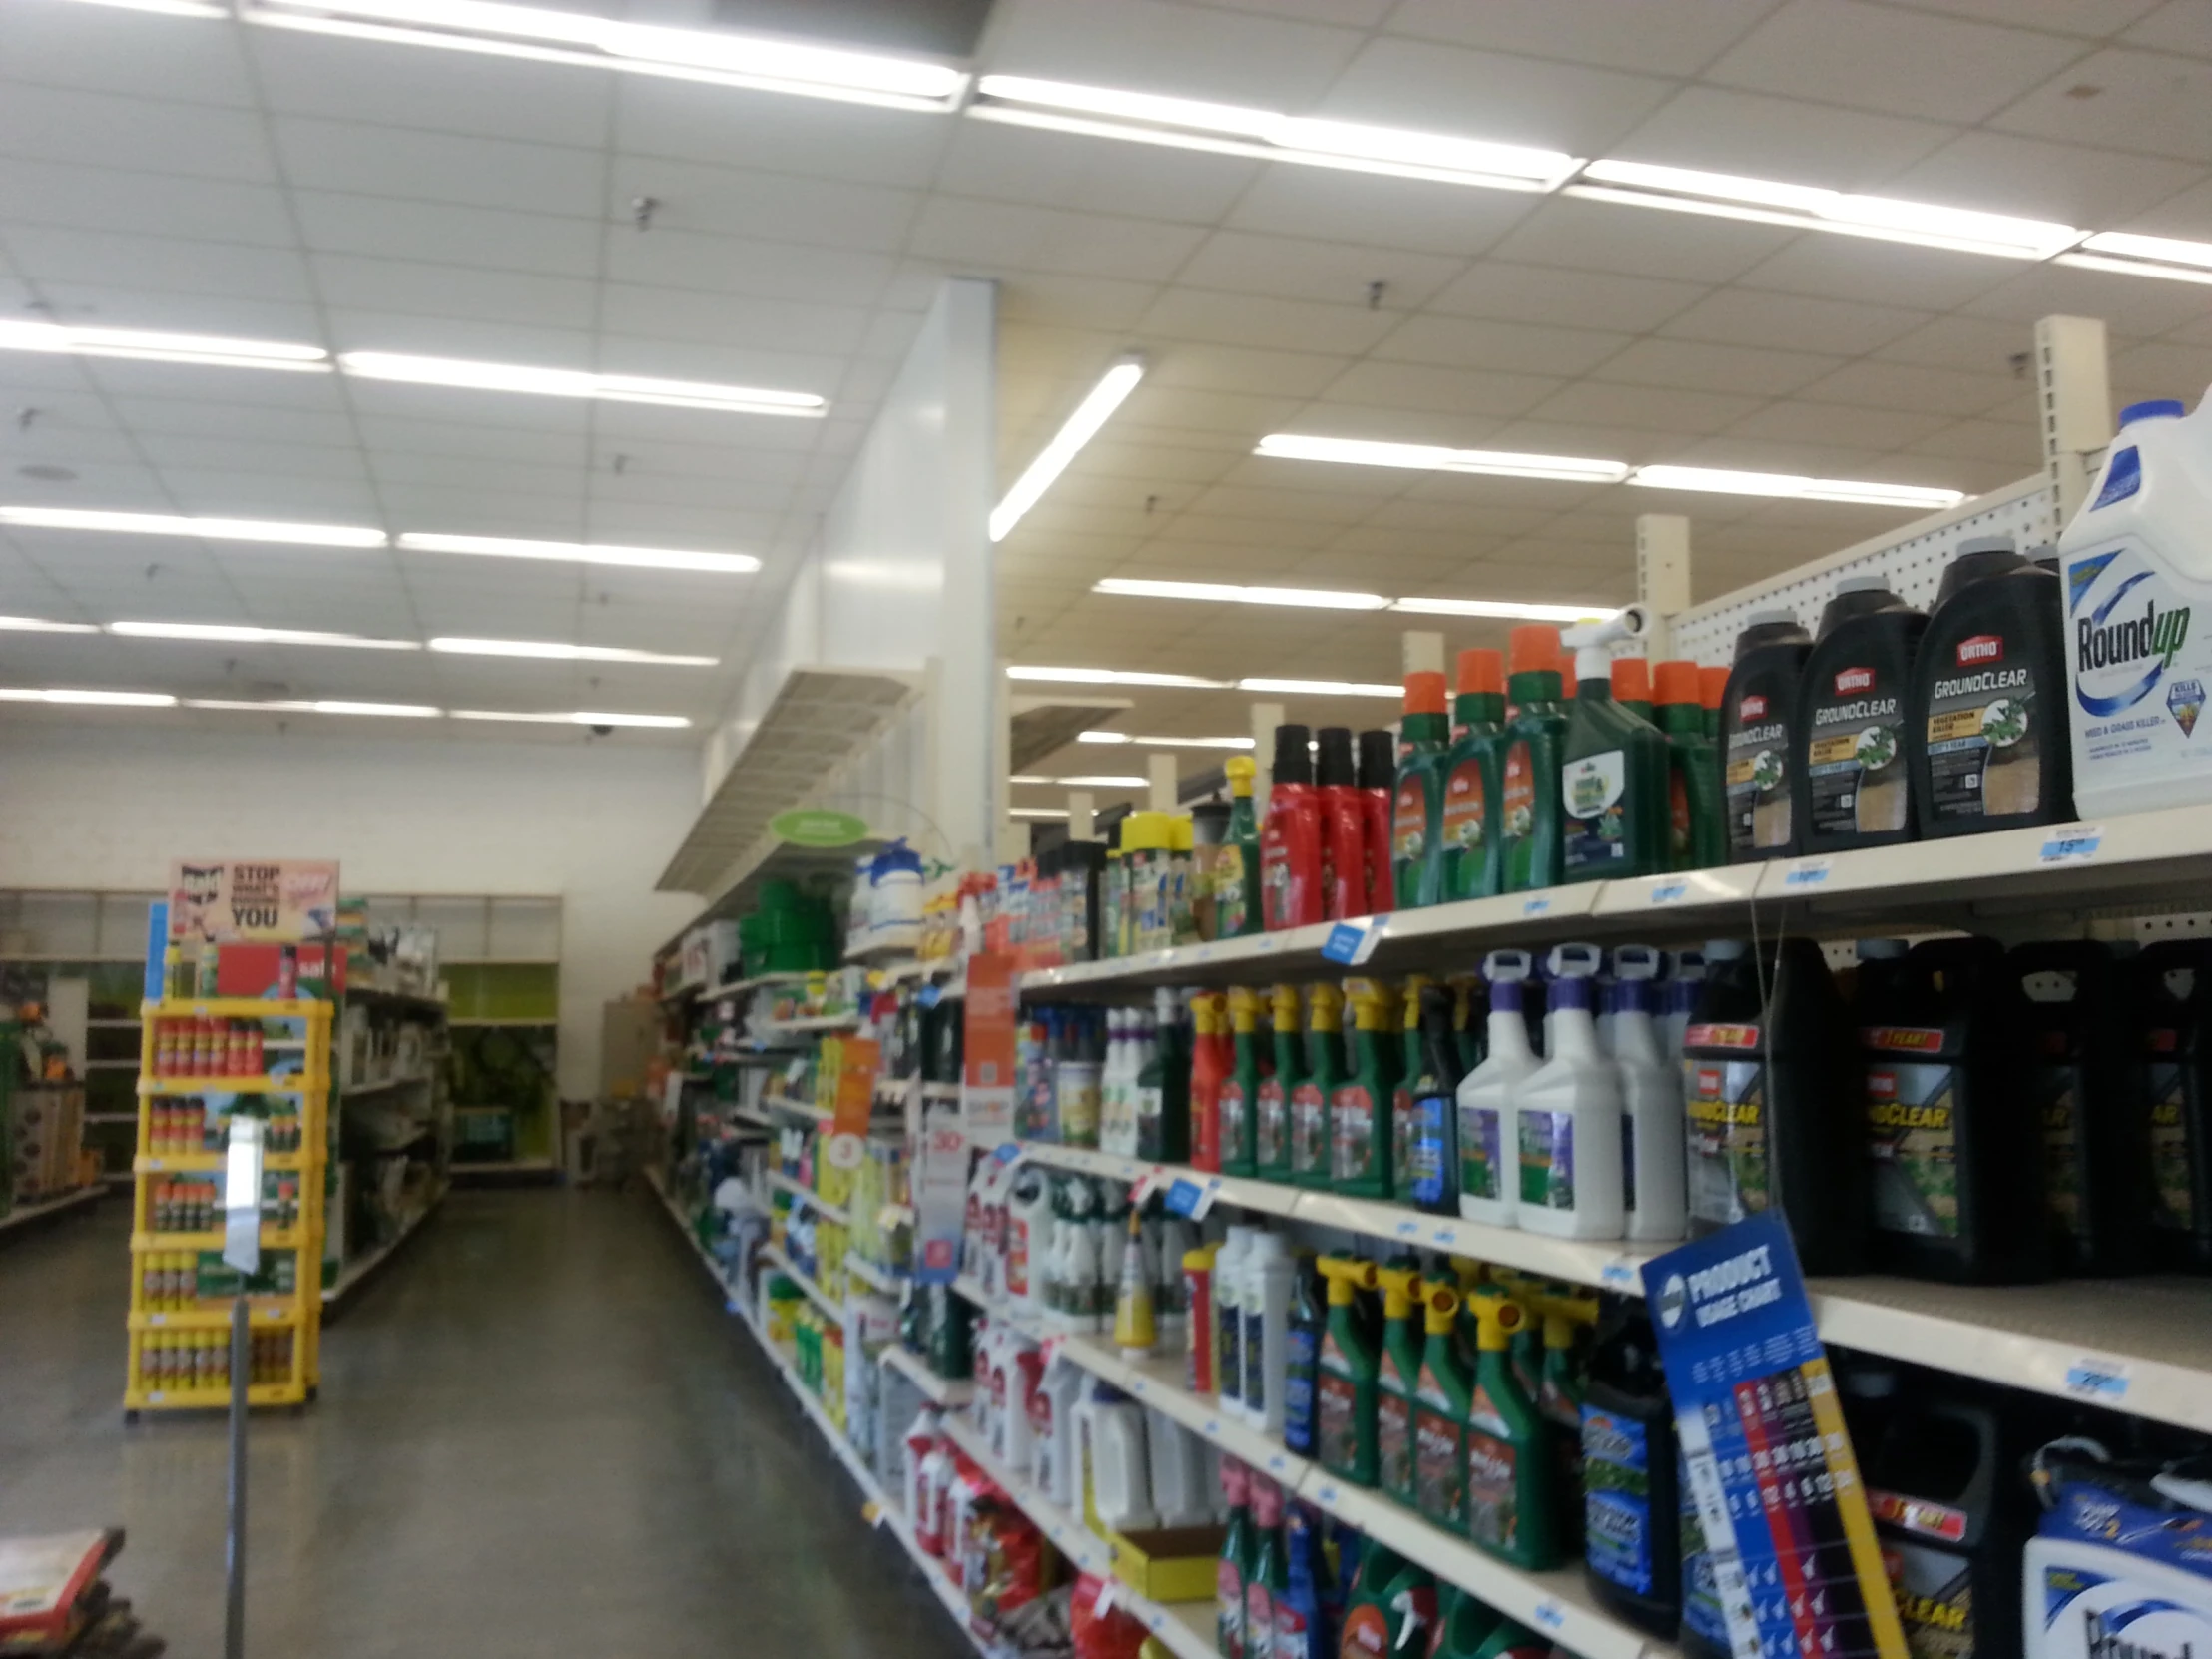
(359, 1271)
(807, 1195)
(831, 1309)
(938, 1391)
(410, 1115)
(154, 1251)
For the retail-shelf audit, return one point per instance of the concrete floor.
(539, 1434)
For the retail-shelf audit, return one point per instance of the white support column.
(2074, 379)
(1422, 652)
(1266, 717)
(1081, 808)
(1662, 576)
(1161, 769)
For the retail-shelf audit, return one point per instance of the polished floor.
(539, 1434)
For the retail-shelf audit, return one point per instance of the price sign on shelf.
(2097, 1379)
(1669, 893)
(2070, 843)
(1807, 873)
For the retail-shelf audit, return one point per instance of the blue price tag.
(1184, 1195)
(929, 995)
(2077, 843)
(1344, 942)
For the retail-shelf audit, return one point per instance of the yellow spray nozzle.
(1324, 1010)
(1208, 1015)
(1415, 985)
(1240, 769)
(1283, 1000)
(1444, 1309)
(1496, 1316)
(1564, 1310)
(1201, 1259)
(1243, 1009)
(1345, 1275)
(1472, 1274)
(1401, 1287)
(1374, 1004)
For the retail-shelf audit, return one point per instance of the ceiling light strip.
(1090, 414)
(589, 553)
(1164, 743)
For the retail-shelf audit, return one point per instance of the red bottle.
(1343, 828)
(1211, 1060)
(1290, 838)
(1377, 786)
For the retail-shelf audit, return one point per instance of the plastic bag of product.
(1111, 1634)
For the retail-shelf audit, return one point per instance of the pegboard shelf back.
(1910, 558)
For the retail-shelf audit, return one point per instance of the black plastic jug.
(1954, 1147)
(1757, 712)
(1631, 1533)
(1989, 747)
(2080, 1077)
(1771, 1098)
(1847, 741)
(2172, 1001)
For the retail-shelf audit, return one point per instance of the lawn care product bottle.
(1391, 1609)
(1489, 1132)
(1956, 1149)
(1989, 749)
(1229, 1316)
(1237, 1110)
(1443, 1394)
(1530, 844)
(1359, 1106)
(1756, 713)
(1631, 677)
(1237, 907)
(1697, 837)
(1291, 893)
(1198, 1306)
(1028, 1231)
(1270, 1574)
(1712, 696)
(1651, 1103)
(1271, 1119)
(1270, 1280)
(1349, 1377)
(1613, 768)
(1416, 830)
(1568, 1114)
(1631, 1511)
(1771, 1091)
(1568, 1318)
(1377, 775)
(1848, 741)
(1343, 826)
(1162, 1086)
(1399, 1379)
(2172, 998)
(2137, 562)
(1404, 1074)
(1470, 864)
(1309, 1101)
(1209, 1061)
(1301, 1371)
(2081, 1081)
(1234, 1566)
(1510, 1498)
(1430, 1177)
(1300, 1626)
(1465, 1625)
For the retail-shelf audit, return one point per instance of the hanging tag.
(1353, 942)
(242, 1195)
(1105, 1602)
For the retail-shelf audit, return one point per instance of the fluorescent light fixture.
(609, 43)
(565, 382)
(2128, 254)
(35, 624)
(1578, 470)
(141, 344)
(205, 529)
(1096, 783)
(1320, 599)
(589, 553)
(1808, 207)
(1267, 135)
(1114, 677)
(581, 717)
(1514, 608)
(403, 711)
(93, 699)
(1164, 743)
(1037, 812)
(166, 8)
(1090, 414)
(1320, 688)
(223, 633)
(1720, 481)
(564, 652)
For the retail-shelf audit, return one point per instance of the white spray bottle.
(1569, 1115)
(1489, 1138)
(1652, 1154)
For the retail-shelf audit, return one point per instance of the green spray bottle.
(1237, 871)
(1234, 1566)
(1310, 1100)
(1444, 1396)
(1391, 1609)
(1569, 1318)
(1697, 828)
(1530, 845)
(1270, 1574)
(1399, 1379)
(1474, 779)
(1359, 1113)
(1613, 768)
(1516, 1641)
(1513, 1511)
(1349, 1377)
(1463, 1624)
(1271, 1128)
(1406, 1073)
(1417, 801)
(1237, 1109)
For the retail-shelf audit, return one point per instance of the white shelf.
(1159, 1382)
(811, 1023)
(806, 1196)
(812, 1291)
(775, 1102)
(22, 1215)
(354, 1091)
(353, 1271)
(738, 987)
(939, 1390)
(866, 1272)
(522, 1021)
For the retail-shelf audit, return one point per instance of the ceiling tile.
(1603, 236)
(151, 204)
(440, 233)
(1298, 268)
(371, 285)
(1229, 57)
(95, 129)
(2176, 26)
(167, 265)
(337, 78)
(1490, 95)
(2129, 305)
(988, 237)
(1797, 141)
(1839, 426)
(1702, 367)
(2188, 214)
(128, 52)
(1513, 292)
(1466, 342)
(1646, 406)
(2089, 18)
(727, 200)
(813, 138)
(364, 159)
(1620, 34)
(2144, 101)
(1020, 164)
(1864, 270)
(1879, 385)
(1225, 319)
(1369, 210)
(1240, 368)
(748, 268)
(2000, 172)
(1447, 390)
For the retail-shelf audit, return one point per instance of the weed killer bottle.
(1349, 1377)
(1613, 808)
(2082, 1083)
(1271, 1115)
(1848, 744)
(1471, 864)
(1569, 1115)
(1756, 713)
(1530, 844)
(1429, 1179)
(1489, 1132)
(1310, 1100)
(1511, 1500)
(1631, 1513)
(1236, 1111)
(1989, 747)
(1651, 1104)
(1416, 825)
(1696, 832)
(1360, 1108)
(2172, 997)
(1399, 1379)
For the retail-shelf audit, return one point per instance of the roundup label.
(2139, 663)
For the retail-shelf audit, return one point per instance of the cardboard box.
(1173, 1563)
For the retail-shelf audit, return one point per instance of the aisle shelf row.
(28, 1215)
(354, 1091)
(778, 1102)
(1556, 1603)
(273, 1237)
(811, 1023)
(867, 1273)
(938, 1391)
(291, 1082)
(2131, 858)
(2142, 1346)
(814, 1293)
(354, 1272)
(812, 1199)
(262, 1314)
(190, 1163)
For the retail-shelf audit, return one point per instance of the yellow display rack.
(180, 1343)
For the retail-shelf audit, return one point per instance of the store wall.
(95, 806)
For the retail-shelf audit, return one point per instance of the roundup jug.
(1847, 761)
(2137, 562)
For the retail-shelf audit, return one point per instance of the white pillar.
(1422, 652)
(1266, 717)
(1161, 767)
(2074, 377)
(1079, 815)
(1662, 576)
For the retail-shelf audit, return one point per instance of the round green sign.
(814, 827)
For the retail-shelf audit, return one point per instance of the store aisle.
(540, 1434)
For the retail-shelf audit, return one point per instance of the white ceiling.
(200, 175)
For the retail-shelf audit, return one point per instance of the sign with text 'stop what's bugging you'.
(264, 901)
(1795, 1562)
